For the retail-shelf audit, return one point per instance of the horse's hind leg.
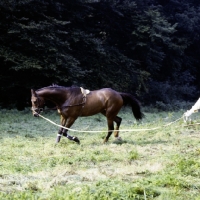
(110, 126)
(118, 121)
(110, 129)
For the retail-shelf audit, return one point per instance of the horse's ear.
(33, 92)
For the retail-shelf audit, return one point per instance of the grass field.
(161, 164)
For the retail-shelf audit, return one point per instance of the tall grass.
(156, 164)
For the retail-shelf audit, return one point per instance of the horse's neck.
(60, 95)
(53, 94)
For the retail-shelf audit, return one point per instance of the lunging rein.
(105, 101)
(121, 130)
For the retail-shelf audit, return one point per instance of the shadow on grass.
(143, 142)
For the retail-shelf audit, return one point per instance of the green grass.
(160, 164)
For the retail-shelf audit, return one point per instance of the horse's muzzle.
(36, 112)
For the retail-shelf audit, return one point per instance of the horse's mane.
(73, 90)
(54, 86)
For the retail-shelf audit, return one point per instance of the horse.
(74, 102)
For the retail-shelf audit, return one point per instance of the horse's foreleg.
(110, 129)
(118, 121)
(75, 139)
(59, 135)
(68, 124)
(60, 132)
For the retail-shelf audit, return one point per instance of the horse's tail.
(134, 103)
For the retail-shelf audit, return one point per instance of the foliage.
(136, 46)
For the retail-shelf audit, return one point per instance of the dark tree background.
(149, 48)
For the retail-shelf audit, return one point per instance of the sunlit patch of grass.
(112, 189)
(187, 165)
(133, 155)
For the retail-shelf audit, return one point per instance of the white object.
(194, 109)
(84, 92)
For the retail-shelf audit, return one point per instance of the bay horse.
(74, 102)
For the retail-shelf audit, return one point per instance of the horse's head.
(37, 103)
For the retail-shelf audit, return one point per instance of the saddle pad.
(84, 92)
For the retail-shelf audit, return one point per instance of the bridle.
(37, 110)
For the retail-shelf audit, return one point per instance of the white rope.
(121, 130)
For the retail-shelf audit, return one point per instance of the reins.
(56, 108)
(121, 130)
(84, 92)
(80, 104)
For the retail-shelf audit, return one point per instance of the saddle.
(84, 91)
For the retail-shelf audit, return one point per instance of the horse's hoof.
(105, 141)
(76, 140)
(58, 138)
(119, 138)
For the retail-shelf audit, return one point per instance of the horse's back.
(113, 97)
(102, 99)
(106, 94)
(106, 91)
